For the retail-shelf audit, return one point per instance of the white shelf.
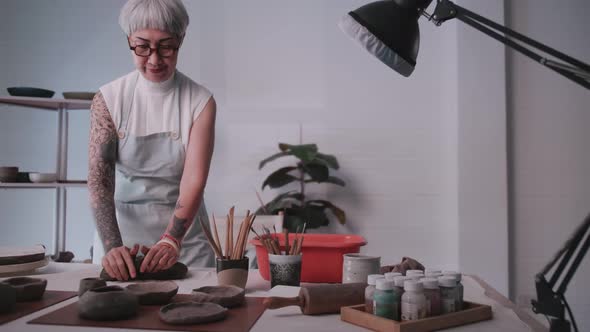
(12, 185)
(49, 104)
(62, 107)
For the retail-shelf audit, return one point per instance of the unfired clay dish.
(226, 296)
(7, 297)
(27, 289)
(107, 303)
(87, 284)
(184, 313)
(154, 292)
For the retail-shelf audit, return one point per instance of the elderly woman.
(151, 141)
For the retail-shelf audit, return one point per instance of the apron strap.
(176, 134)
(125, 112)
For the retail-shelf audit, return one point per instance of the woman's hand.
(161, 256)
(118, 262)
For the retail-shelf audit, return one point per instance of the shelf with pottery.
(62, 107)
(16, 185)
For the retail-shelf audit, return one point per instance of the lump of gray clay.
(27, 289)
(183, 313)
(226, 296)
(7, 297)
(154, 292)
(107, 303)
(90, 283)
(177, 271)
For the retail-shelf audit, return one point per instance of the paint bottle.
(390, 275)
(448, 293)
(399, 284)
(413, 301)
(413, 272)
(432, 294)
(386, 301)
(370, 291)
(459, 299)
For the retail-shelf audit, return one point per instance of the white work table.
(66, 276)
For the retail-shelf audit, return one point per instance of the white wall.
(272, 66)
(551, 163)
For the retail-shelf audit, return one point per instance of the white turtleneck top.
(154, 104)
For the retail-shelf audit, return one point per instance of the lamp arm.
(578, 72)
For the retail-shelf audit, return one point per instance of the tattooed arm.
(192, 185)
(102, 154)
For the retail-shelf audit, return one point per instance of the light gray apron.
(148, 173)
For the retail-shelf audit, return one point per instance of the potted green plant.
(311, 167)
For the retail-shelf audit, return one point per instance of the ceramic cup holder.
(232, 272)
(284, 270)
(356, 267)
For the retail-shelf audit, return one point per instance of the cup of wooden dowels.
(231, 263)
(284, 265)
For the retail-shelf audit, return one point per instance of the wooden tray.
(24, 308)
(473, 312)
(238, 319)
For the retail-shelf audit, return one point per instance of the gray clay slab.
(227, 296)
(154, 292)
(185, 313)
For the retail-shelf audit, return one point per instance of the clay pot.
(27, 289)
(90, 283)
(7, 297)
(232, 272)
(184, 313)
(154, 292)
(226, 296)
(107, 303)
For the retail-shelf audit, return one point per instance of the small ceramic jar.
(357, 267)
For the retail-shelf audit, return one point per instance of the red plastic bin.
(321, 259)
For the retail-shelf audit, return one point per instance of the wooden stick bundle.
(233, 250)
(272, 245)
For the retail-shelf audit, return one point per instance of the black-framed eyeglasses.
(144, 50)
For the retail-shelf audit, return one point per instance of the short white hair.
(164, 15)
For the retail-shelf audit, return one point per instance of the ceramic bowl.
(42, 177)
(30, 92)
(226, 296)
(154, 292)
(7, 298)
(27, 289)
(184, 313)
(107, 303)
(8, 174)
(87, 284)
(79, 95)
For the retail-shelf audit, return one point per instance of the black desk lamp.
(388, 29)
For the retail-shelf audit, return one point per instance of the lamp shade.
(388, 29)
